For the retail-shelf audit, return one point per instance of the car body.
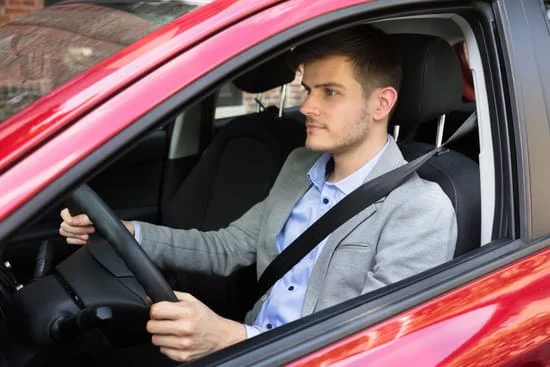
(488, 307)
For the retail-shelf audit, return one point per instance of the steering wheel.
(100, 286)
(84, 199)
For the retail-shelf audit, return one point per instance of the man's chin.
(317, 147)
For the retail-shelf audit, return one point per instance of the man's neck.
(349, 161)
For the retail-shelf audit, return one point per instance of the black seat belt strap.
(345, 209)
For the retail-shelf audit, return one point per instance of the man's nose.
(309, 107)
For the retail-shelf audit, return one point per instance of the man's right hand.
(77, 229)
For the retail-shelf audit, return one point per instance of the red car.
(145, 102)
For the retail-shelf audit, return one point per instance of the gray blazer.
(410, 230)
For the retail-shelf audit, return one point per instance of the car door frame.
(316, 331)
(521, 26)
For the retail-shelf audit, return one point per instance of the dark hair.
(370, 50)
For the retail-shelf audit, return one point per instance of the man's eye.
(330, 92)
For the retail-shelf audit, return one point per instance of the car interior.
(195, 171)
(269, 138)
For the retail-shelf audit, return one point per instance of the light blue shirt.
(286, 298)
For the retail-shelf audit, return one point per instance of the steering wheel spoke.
(84, 199)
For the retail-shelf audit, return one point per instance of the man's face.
(338, 115)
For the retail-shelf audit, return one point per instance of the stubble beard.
(356, 135)
(351, 137)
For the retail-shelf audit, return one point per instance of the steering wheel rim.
(84, 199)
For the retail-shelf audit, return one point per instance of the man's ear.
(386, 98)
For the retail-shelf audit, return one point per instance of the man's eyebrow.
(325, 85)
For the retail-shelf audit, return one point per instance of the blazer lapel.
(293, 185)
(390, 159)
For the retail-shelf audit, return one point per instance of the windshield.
(45, 49)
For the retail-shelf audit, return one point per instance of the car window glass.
(234, 102)
(47, 48)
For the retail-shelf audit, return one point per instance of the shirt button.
(325, 201)
(291, 288)
(269, 326)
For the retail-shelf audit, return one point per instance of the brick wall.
(13, 9)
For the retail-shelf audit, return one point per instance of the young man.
(351, 78)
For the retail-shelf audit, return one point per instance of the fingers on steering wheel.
(80, 220)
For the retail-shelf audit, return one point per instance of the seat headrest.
(432, 82)
(272, 73)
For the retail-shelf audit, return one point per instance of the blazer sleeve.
(214, 252)
(418, 234)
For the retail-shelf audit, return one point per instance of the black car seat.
(468, 144)
(431, 87)
(236, 171)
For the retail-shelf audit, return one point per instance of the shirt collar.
(317, 174)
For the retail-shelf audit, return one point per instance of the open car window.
(232, 101)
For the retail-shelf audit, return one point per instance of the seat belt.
(358, 200)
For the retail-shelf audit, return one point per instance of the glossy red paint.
(477, 325)
(45, 117)
(51, 160)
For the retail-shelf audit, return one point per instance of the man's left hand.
(188, 329)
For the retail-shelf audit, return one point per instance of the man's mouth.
(310, 125)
